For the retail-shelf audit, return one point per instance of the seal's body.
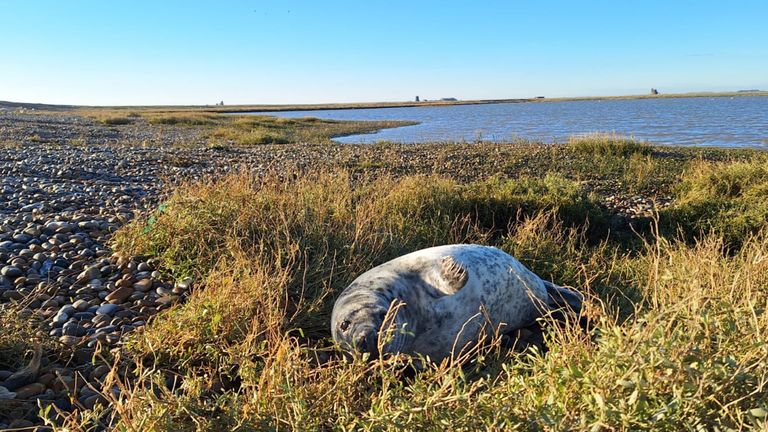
(449, 297)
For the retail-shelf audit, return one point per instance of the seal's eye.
(344, 326)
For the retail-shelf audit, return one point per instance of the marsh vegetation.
(244, 130)
(676, 295)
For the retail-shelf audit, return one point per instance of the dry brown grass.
(680, 329)
(224, 130)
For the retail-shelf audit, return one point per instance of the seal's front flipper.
(563, 298)
(453, 273)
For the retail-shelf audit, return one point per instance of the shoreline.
(234, 109)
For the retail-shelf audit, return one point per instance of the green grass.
(680, 329)
(245, 130)
(257, 130)
(602, 144)
(181, 119)
(729, 199)
(116, 121)
(642, 173)
(110, 117)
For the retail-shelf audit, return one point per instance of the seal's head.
(364, 320)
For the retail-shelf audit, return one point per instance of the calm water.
(716, 121)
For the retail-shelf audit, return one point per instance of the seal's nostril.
(362, 343)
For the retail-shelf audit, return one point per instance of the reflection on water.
(706, 121)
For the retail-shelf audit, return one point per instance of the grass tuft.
(730, 199)
(608, 144)
(181, 118)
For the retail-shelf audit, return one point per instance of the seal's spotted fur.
(448, 295)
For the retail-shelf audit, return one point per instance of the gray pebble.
(107, 309)
(11, 272)
(81, 305)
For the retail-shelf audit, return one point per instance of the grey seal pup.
(439, 301)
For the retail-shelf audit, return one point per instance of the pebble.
(91, 401)
(12, 295)
(6, 394)
(100, 371)
(69, 340)
(84, 316)
(29, 390)
(80, 305)
(119, 295)
(46, 379)
(67, 310)
(143, 285)
(163, 291)
(107, 309)
(72, 329)
(21, 424)
(89, 274)
(59, 319)
(11, 272)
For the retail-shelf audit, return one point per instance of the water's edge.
(739, 122)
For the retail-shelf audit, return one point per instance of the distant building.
(654, 91)
(449, 99)
(417, 98)
(539, 97)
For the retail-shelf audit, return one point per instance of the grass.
(606, 144)
(182, 119)
(729, 199)
(18, 339)
(642, 173)
(256, 130)
(110, 117)
(679, 339)
(680, 330)
(246, 130)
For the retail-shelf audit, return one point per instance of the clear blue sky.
(268, 51)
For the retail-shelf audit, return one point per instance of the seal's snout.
(366, 342)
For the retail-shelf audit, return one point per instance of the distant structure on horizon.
(654, 91)
(449, 99)
(417, 99)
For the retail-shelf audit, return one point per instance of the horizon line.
(391, 104)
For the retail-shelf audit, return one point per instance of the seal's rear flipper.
(563, 298)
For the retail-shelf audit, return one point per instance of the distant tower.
(417, 98)
(654, 91)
